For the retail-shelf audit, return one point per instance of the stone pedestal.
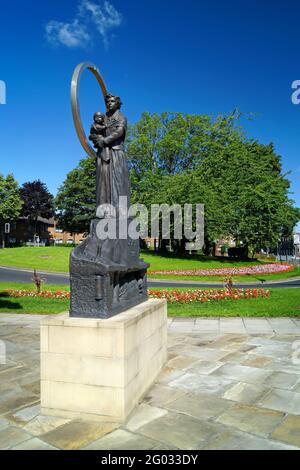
(100, 369)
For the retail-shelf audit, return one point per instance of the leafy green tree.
(10, 202)
(177, 158)
(76, 200)
(259, 196)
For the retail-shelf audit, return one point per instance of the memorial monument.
(106, 274)
(99, 359)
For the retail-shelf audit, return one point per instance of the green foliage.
(10, 201)
(75, 201)
(37, 201)
(178, 159)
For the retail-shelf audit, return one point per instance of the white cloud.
(69, 34)
(103, 16)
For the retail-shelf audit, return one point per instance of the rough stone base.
(100, 369)
(106, 276)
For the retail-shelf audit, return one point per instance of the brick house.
(23, 231)
(59, 237)
(47, 233)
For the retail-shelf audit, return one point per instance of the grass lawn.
(32, 305)
(56, 259)
(282, 303)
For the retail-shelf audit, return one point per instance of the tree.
(255, 193)
(37, 202)
(10, 202)
(76, 198)
(177, 158)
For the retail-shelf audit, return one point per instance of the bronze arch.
(75, 102)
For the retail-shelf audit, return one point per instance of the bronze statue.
(108, 135)
(98, 127)
(107, 276)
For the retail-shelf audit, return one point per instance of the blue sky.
(159, 55)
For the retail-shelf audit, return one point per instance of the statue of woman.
(112, 168)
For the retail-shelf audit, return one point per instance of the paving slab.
(4, 423)
(257, 326)
(203, 384)
(11, 436)
(200, 406)
(76, 434)
(242, 373)
(235, 357)
(283, 325)
(207, 325)
(142, 415)
(282, 400)
(25, 415)
(34, 444)
(179, 430)
(236, 440)
(288, 431)
(251, 419)
(160, 395)
(246, 393)
(284, 365)
(204, 367)
(182, 362)
(44, 424)
(16, 401)
(257, 361)
(282, 380)
(204, 354)
(168, 374)
(122, 440)
(232, 325)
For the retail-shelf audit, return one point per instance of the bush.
(240, 252)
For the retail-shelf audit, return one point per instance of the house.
(60, 237)
(297, 244)
(22, 232)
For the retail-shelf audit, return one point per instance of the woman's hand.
(100, 141)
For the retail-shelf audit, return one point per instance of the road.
(25, 276)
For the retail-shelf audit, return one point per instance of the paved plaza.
(229, 383)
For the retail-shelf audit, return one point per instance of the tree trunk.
(35, 226)
(2, 241)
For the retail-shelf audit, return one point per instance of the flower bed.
(172, 296)
(209, 295)
(31, 293)
(272, 268)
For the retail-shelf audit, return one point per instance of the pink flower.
(271, 268)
